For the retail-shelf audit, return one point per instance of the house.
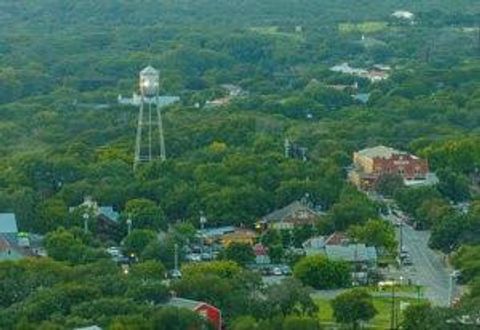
(403, 14)
(211, 235)
(240, 235)
(295, 214)
(8, 227)
(261, 254)
(369, 164)
(107, 223)
(227, 235)
(353, 253)
(318, 244)
(209, 312)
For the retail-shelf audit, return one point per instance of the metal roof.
(351, 253)
(380, 152)
(287, 211)
(8, 223)
(149, 70)
(109, 212)
(184, 303)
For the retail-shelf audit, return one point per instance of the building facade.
(369, 164)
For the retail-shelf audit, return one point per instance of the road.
(429, 269)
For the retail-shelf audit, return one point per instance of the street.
(428, 269)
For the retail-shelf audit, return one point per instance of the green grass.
(381, 321)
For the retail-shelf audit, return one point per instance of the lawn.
(381, 321)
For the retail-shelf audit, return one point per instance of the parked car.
(407, 261)
(175, 274)
(286, 270)
(277, 271)
(194, 257)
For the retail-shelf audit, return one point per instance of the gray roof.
(287, 211)
(380, 152)
(183, 303)
(149, 70)
(314, 243)
(351, 253)
(92, 327)
(216, 232)
(109, 213)
(8, 223)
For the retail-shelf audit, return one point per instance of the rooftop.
(8, 223)
(149, 70)
(291, 209)
(379, 152)
(351, 253)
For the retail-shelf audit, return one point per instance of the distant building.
(209, 312)
(242, 236)
(227, 235)
(403, 14)
(295, 214)
(8, 226)
(317, 245)
(107, 223)
(369, 164)
(353, 253)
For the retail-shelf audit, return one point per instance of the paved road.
(428, 269)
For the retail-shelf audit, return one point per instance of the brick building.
(369, 164)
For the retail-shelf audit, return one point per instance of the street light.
(203, 221)
(129, 226)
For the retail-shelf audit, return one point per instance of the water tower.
(147, 124)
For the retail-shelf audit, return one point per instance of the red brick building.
(370, 164)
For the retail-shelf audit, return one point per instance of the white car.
(277, 271)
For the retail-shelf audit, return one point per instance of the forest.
(64, 136)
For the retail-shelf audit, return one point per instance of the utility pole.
(176, 257)
(85, 222)
(392, 312)
(203, 221)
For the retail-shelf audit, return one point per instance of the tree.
(353, 306)
(375, 232)
(418, 317)
(289, 297)
(387, 184)
(223, 269)
(321, 273)
(172, 318)
(352, 208)
(63, 245)
(244, 323)
(148, 271)
(145, 214)
(138, 240)
(294, 322)
(240, 253)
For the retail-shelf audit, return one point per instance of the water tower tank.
(149, 81)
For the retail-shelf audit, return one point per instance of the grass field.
(380, 322)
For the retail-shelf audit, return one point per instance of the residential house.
(296, 214)
(317, 245)
(353, 253)
(209, 312)
(107, 219)
(240, 235)
(8, 227)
